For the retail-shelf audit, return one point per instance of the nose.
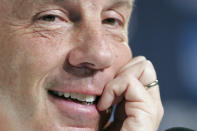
(92, 49)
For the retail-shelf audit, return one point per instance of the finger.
(138, 107)
(135, 104)
(152, 110)
(139, 70)
(132, 62)
(133, 89)
(154, 92)
(131, 124)
(112, 91)
(145, 72)
(148, 74)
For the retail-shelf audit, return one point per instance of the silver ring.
(154, 83)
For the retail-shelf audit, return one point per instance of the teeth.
(90, 98)
(60, 93)
(67, 95)
(80, 97)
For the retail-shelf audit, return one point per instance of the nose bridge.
(97, 43)
(94, 38)
(93, 47)
(91, 27)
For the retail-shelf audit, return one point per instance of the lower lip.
(76, 109)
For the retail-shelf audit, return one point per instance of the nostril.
(82, 70)
(92, 55)
(86, 64)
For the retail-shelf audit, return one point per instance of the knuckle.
(147, 63)
(109, 86)
(141, 57)
(114, 87)
(148, 67)
(148, 74)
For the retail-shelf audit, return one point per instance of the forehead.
(24, 8)
(95, 2)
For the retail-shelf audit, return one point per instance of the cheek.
(30, 59)
(43, 54)
(123, 55)
(120, 47)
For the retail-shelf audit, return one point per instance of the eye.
(112, 19)
(112, 22)
(49, 18)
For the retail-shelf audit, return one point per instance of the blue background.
(165, 31)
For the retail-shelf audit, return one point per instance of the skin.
(38, 53)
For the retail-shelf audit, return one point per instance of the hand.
(139, 108)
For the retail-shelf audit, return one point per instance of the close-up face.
(56, 56)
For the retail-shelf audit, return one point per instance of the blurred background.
(165, 31)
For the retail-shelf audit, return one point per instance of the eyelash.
(112, 22)
(50, 18)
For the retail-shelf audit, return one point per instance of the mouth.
(75, 97)
(74, 109)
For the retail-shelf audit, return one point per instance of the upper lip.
(83, 91)
(69, 83)
(78, 90)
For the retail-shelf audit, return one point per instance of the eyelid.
(56, 12)
(113, 14)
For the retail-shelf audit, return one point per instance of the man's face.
(56, 56)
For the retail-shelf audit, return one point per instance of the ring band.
(154, 83)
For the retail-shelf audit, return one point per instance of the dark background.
(165, 32)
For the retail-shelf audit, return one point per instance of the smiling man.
(65, 63)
